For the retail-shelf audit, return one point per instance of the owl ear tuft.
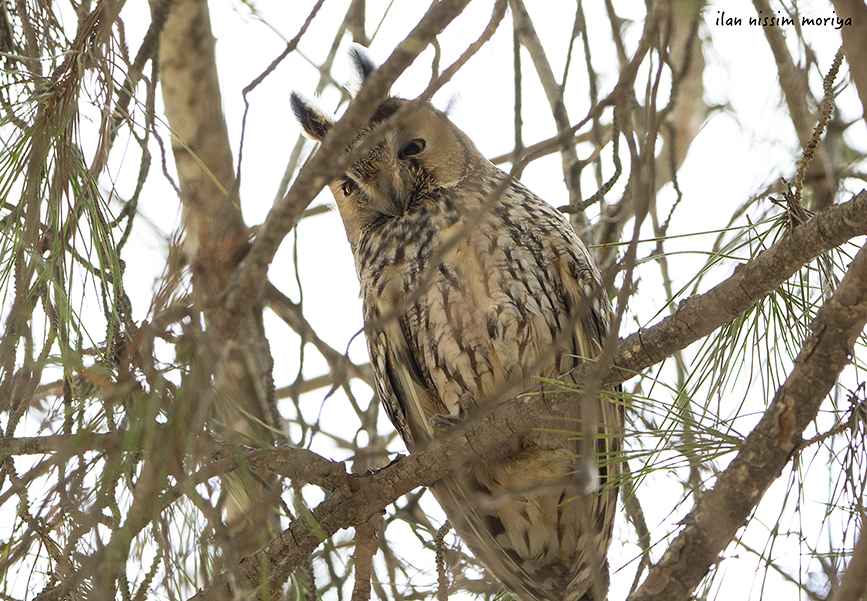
(314, 122)
(362, 62)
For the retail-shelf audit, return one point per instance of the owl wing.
(585, 296)
(399, 382)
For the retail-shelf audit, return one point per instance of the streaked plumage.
(468, 297)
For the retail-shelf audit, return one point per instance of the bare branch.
(720, 512)
(796, 91)
(365, 548)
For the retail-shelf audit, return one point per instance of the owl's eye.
(414, 147)
(348, 187)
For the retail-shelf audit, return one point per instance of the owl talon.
(443, 423)
(465, 405)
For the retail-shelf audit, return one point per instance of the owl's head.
(412, 155)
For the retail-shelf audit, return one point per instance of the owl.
(473, 287)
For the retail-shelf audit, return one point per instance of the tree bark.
(216, 239)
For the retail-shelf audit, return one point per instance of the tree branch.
(366, 539)
(720, 512)
(292, 462)
(526, 33)
(796, 91)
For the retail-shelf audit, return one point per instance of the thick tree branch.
(687, 111)
(695, 318)
(366, 543)
(793, 81)
(215, 229)
(294, 463)
(215, 239)
(720, 512)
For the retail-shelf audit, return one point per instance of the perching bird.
(472, 287)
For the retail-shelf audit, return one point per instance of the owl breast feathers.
(472, 287)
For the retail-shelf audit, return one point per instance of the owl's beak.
(397, 205)
(391, 196)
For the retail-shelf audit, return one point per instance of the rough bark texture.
(215, 240)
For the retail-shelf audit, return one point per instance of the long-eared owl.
(472, 287)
